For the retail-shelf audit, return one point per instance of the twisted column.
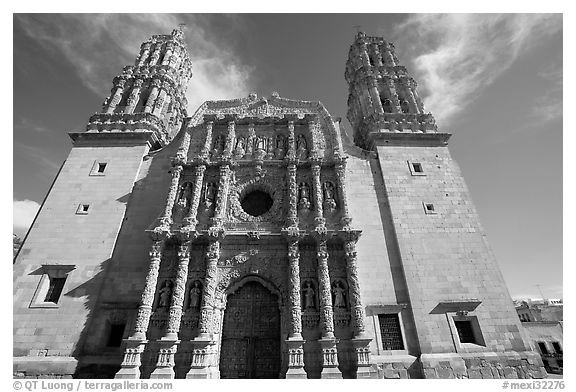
(294, 280)
(328, 341)
(135, 344)
(175, 312)
(326, 319)
(160, 100)
(156, 54)
(292, 196)
(317, 190)
(354, 286)
(208, 297)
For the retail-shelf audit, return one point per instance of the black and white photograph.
(287, 196)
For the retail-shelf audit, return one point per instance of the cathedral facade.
(258, 239)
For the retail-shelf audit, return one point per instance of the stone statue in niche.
(271, 149)
(209, 194)
(260, 147)
(301, 147)
(404, 106)
(260, 143)
(185, 197)
(303, 196)
(165, 294)
(308, 296)
(329, 191)
(195, 295)
(280, 147)
(240, 149)
(339, 295)
(219, 144)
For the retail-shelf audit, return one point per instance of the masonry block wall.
(124, 280)
(66, 236)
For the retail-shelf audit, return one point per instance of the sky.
(492, 80)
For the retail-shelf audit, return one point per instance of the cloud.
(548, 106)
(98, 46)
(27, 124)
(456, 56)
(24, 213)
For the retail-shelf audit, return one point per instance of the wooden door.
(251, 334)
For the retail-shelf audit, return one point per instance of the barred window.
(391, 332)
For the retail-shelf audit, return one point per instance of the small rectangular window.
(557, 347)
(416, 168)
(391, 332)
(465, 331)
(55, 289)
(543, 348)
(116, 335)
(83, 209)
(98, 168)
(429, 208)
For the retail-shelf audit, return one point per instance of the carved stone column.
(387, 56)
(360, 342)
(135, 344)
(375, 95)
(412, 104)
(205, 153)
(144, 52)
(291, 153)
(166, 219)
(292, 196)
(152, 97)
(134, 96)
(295, 342)
(328, 341)
(317, 188)
(393, 96)
(230, 137)
(116, 97)
(169, 342)
(160, 100)
(250, 140)
(221, 195)
(378, 55)
(168, 53)
(191, 218)
(155, 54)
(340, 167)
(204, 345)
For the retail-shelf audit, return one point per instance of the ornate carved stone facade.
(259, 241)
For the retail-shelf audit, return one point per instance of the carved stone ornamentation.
(294, 279)
(179, 289)
(145, 308)
(303, 197)
(354, 285)
(326, 318)
(329, 193)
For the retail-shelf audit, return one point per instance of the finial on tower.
(359, 32)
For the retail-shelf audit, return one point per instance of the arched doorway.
(251, 334)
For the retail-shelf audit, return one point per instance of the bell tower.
(444, 273)
(382, 96)
(148, 98)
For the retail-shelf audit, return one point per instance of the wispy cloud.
(38, 154)
(30, 125)
(99, 45)
(456, 56)
(548, 106)
(24, 213)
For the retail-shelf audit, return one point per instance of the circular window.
(256, 203)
